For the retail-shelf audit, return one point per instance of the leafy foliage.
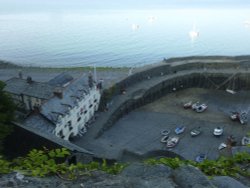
(111, 169)
(221, 167)
(42, 163)
(5, 166)
(171, 162)
(7, 109)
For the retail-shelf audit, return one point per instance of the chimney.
(58, 92)
(29, 80)
(90, 80)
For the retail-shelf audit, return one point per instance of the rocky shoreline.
(136, 175)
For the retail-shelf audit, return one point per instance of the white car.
(218, 131)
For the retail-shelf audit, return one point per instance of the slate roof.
(40, 126)
(35, 89)
(39, 123)
(61, 80)
(60, 106)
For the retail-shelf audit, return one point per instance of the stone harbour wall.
(171, 76)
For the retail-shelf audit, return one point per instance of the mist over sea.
(121, 38)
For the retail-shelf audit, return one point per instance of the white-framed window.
(78, 116)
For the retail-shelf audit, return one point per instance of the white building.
(67, 108)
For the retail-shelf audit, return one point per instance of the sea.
(121, 38)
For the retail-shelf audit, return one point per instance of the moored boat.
(200, 158)
(243, 117)
(218, 131)
(201, 108)
(164, 139)
(222, 146)
(195, 132)
(165, 132)
(245, 140)
(187, 105)
(172, 141)
(180, 129)
(195, 105)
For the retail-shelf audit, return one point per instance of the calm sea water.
(121, 38)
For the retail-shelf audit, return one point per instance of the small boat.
(165, 132)
(164, 139)
(230, 91)
(195, 105)
(180, 130)
(201, 108)
(194, 33)
(172, 141)
(200, 158)
(234, 116)
(243, 117)
(187, 105)
(222, 146)
(151, 19)
(245, 141)
(218, 131)
(135, 26)
(195, 132)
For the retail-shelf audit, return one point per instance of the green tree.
(7, 109)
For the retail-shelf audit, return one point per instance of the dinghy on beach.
(195, 132)
(172, 141)
(245, 141)
(180, 129)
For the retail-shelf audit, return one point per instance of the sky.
(38, 5)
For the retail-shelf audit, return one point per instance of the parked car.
(218, 131)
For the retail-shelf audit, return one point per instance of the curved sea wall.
(175, 65)
(151, 83)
